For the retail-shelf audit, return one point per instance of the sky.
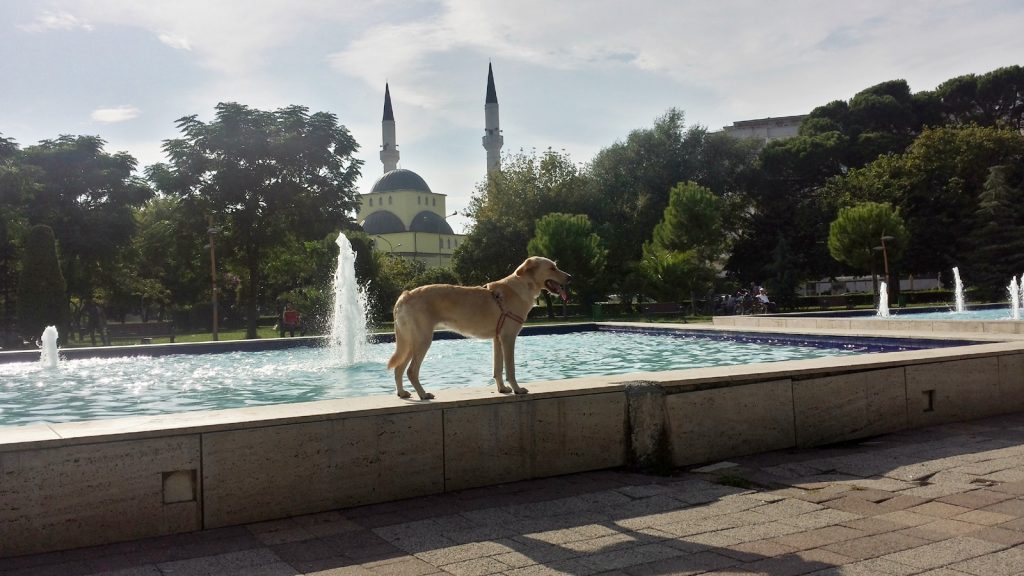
(575, 76)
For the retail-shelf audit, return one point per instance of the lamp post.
(212, 231)
(391, 248)
(439, 245)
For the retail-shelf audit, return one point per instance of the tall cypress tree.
(42, 291)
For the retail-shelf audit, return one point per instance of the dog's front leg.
(497, 367)
(508, 347)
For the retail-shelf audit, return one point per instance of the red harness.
(504, 314)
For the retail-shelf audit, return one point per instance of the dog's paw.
(404, 394)
(427, 396)
(504, 389)
(522, 390)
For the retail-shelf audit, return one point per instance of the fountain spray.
(959, 290)
(48, 348)
(348, 321)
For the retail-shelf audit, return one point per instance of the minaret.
(389, 150)
(492, 134)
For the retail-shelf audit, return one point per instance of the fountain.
(1020, 293)
(1014, 290)
(883, 300)
(48, 357)
(348, 320)
(959, 288)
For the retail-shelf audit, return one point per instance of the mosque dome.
(383, 222)
(400, 179)
(429, 222)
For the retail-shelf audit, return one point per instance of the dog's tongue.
(553, 286)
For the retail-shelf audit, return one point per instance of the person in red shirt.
(290, 320)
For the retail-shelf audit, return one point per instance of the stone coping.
(13, 438)
(973, 329)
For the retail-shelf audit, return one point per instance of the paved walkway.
(940, 501)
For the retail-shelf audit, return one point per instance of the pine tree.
(996, 243)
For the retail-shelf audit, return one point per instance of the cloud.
(115, 115)
(56, 21)
(176, 42)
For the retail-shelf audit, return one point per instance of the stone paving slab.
(940, 501)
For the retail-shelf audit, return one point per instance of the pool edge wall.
(79, 484)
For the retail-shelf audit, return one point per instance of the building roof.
(432, 222)
(382, 222)
(400, 179)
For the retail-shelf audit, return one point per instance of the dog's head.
(545, 273)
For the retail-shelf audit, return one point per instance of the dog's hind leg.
(399, 361)
(419, 351)
(498, 359)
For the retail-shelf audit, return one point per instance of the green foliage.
(996, 244)
(87, 197)
(507, 207)
(936, 185)
(395, 274)
(993, 99)
(687, 242)
(42, 292)
(858, 230)
(442, 275)
(632, 179)
(692, 220)
(674, 275)
(569, 240)
(268, 178)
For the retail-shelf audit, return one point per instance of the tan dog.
(496, 310)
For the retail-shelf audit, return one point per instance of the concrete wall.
(79, 484)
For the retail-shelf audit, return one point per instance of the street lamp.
(391, 248)
(212, 231)
(439, 244)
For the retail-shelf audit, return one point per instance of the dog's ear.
(525, 267)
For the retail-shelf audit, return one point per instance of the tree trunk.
(252, 310)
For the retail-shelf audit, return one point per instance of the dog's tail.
(402, 349)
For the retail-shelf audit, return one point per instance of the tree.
(632, 179)
(994, 99)
(16, 188)
(674, 275)
(690, 225)
(569, 240)
(263, 176)
(87, 197)
(505, 209)
(996, 244)
(936, 185)
(42, 292)
(858, 230)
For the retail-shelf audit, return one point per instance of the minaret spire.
(493, 139)
(389, 148)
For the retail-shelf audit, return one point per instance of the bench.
(663, 309)
(139, 332)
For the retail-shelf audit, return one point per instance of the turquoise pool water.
(98, 388)
(989, 314)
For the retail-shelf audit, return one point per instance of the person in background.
(290, 320)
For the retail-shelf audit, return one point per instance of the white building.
(766, 129)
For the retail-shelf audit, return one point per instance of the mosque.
(401, 213)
